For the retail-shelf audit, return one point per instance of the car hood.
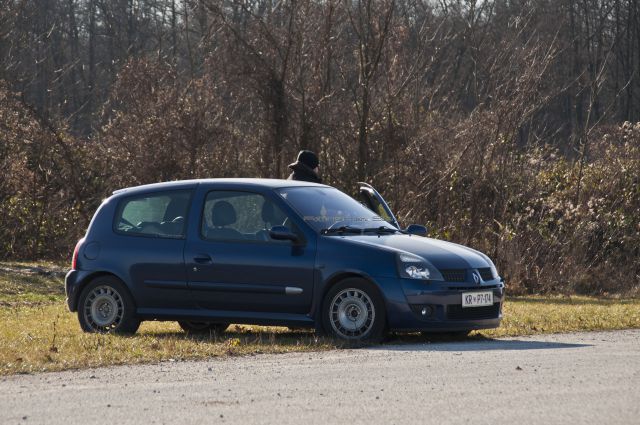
(443, 255)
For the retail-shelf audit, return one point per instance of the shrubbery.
(495, 123)
(524, 210)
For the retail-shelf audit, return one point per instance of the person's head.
(309, 159)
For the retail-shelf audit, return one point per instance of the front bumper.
(406, 299)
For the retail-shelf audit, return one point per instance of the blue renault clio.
(207, 253)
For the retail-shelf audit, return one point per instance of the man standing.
(305, 168)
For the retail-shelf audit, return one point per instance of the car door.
(233, 264)
(147, 246)
(376, 203)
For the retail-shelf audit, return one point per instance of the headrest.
(223, 214)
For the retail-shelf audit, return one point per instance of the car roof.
(245, 183)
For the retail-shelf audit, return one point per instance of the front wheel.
(105, 306)
(354, 311)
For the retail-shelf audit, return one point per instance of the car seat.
(223, 214)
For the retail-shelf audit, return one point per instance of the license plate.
(477, 299)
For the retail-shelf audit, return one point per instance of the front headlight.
(415, 267)
(417, 272)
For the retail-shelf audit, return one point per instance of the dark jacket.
(303, 173)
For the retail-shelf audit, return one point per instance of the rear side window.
(160, 214)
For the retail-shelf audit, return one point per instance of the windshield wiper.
(381, 230)
(342, 229)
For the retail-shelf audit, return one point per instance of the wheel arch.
(90, 278)
(339, 277)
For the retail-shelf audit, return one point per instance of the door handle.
(202, 258)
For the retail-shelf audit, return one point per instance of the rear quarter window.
(159, 214)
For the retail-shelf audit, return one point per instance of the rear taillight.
(74, 259)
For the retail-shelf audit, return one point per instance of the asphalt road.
(586, 378)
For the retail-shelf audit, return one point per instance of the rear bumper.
(72, 284)
(443, 305)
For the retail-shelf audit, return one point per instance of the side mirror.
(282, 233)
(417, 229)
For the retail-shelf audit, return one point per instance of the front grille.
(456, 312)
(454, 275)
(486, 274)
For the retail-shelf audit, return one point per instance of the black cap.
(309, 159)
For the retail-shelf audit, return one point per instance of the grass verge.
(48, 337)
(28, 283)
(38, 334)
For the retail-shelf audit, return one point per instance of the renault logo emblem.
(476, 278)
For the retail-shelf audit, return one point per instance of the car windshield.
(328, 208)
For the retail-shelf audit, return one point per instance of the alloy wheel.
(103, 308)
(352, 313)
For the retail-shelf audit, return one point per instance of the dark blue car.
(208, 253)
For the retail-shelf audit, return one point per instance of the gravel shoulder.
(586, 378)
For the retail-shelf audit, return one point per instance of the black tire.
(345, 304)
(106, 306)
(203, 328)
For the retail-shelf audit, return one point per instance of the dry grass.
(28, 283)
(38, 334)
(48, 337)
(535, 315)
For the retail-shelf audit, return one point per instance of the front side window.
(161, 214)
(241, 216)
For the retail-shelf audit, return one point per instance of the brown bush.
(501, 125)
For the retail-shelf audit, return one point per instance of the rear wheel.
(203, 328)
(106, 306)
(354, 311)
